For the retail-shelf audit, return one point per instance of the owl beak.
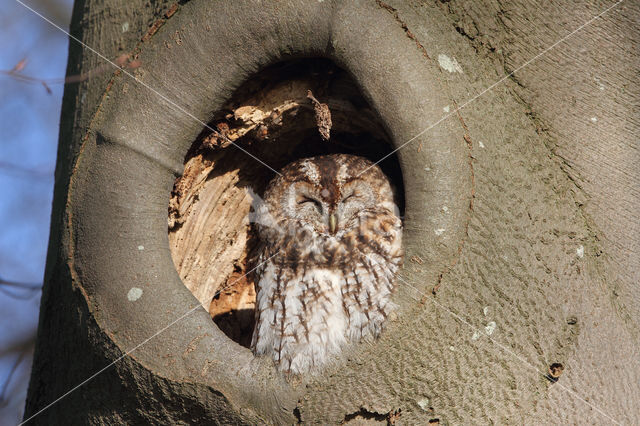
(333, 222)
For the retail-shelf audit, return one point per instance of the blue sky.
(29, 122)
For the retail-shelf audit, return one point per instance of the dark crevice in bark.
(160, 22)
(394, 13)
(363, 414)
(472, 196)
(298, 415)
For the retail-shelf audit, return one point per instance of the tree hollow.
(272, 118)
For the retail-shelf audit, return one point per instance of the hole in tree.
(213, 244)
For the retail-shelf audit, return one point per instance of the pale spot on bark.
(134, 294)
(490, 328)
(449, 64)
(424, 403)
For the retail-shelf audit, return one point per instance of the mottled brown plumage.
(331, 246)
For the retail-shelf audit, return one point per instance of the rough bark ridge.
(126, 392)
(522, 270)
(506, 222)
(580, 95)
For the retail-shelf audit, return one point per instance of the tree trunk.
(518, 301)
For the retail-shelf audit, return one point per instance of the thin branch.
(17, 170)
(4, 401)
(16, 284)
(16, 73)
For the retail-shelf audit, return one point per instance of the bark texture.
(521, 221)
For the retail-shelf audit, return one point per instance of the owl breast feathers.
(331, 244)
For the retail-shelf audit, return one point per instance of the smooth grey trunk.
(527, 225)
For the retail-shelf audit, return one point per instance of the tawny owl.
(331, 245)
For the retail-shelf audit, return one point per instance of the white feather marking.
(311, 170)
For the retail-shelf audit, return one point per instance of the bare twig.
(27, 286)
(4, 400)
(37, 172)
(16, 73)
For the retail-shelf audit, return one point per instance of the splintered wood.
(276, 118)
(323, 116)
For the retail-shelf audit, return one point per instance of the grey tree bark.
(521, 225)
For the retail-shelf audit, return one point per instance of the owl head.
(328, 194)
